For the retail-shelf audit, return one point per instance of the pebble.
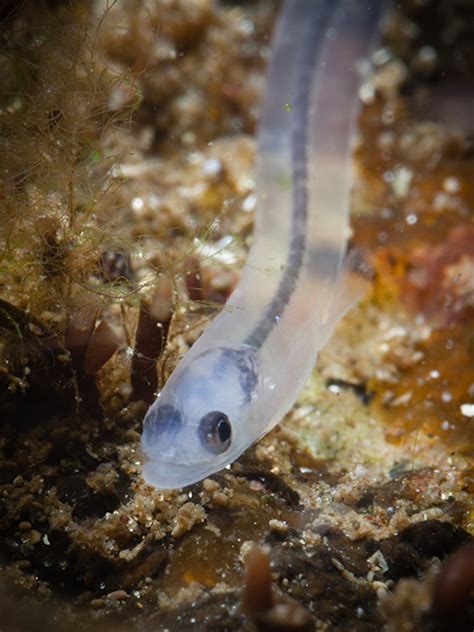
(31, 537)
(118, 595)
(24, 525)
(278, 526)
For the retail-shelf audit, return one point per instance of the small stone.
(245, 548)
(278, 526)
(212, 167)
(24, 525)
(118, 595)
(220, 498)
(401, 182)
(23, 565)
(467, 410)
(451, 185)
(31, 537)
(426, 60)
(210, 486)
(186, 517)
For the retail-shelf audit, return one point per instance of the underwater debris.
(115, 267)
(54, 251)
(34, 362)
(439, 282)
(272, 482)
(441, 601)
(193, 278)
(257, 594)
(23, 326)
(360, 390)
(150, 339)
(270, 612)
(454, 585)
(103, 343)
(91, 344)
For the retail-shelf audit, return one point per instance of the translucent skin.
(254, 385)
(212, 380)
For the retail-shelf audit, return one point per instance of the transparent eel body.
(246, 370)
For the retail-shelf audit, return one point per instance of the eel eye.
(215, 431)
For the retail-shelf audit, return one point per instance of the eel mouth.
(166, 475)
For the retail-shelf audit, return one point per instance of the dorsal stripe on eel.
(310, 42)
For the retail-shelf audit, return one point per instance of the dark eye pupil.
(215, 431)
(223, 430)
